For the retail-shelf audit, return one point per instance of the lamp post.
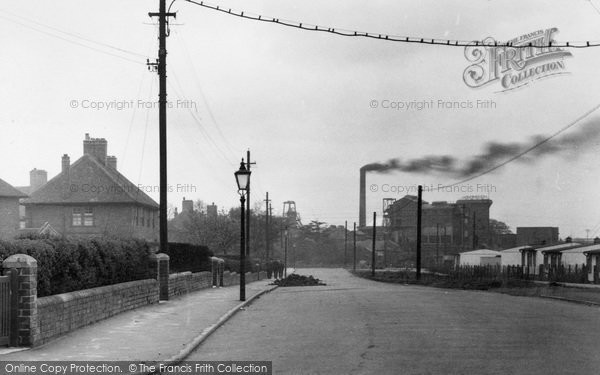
(242, 177)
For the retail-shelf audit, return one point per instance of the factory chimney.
(362, 215)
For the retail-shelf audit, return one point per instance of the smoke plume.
(496, 154)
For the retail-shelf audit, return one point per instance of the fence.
(568, 274)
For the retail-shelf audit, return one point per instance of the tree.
(499, 227)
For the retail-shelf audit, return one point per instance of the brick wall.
(61, 313)
(185, 282)
(9, 217)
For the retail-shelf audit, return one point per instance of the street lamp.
(242, 177)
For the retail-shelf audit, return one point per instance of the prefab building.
(481, 257)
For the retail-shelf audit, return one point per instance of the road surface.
(358, 326)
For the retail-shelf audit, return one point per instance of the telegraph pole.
(419, 207)
(267, 226)
(248, 164)
(345, 241)
(161, 67)
(374, 244)
(354, 264)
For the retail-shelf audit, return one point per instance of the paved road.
(357, 326)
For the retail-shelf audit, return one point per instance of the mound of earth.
(298, 280)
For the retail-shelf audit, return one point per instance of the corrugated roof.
(558, 248)
(9, 191)
(515, 249)
(481, 252)
(89, 181)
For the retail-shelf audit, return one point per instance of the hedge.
(185, 257)
(232, 263)
(66, 265)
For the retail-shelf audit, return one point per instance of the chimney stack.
(95, 147)
(111, 162)
(37, 178)
(187, 206)
(362, 218)
(211, 210)
(66, 163)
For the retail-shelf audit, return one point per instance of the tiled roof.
(7, 190)
(89, 181)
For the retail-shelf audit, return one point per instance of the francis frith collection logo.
(527, 58)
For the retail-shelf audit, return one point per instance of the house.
(567, 254)
(533, 256)
(37, 179)
(592, 254)
(90, 198)
(481, 257)
(9, 209)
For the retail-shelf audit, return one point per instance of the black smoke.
(494, 154)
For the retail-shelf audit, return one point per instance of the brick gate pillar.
(160, 265)
(24, 319)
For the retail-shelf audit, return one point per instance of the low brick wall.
(62, 313)
(185, 282)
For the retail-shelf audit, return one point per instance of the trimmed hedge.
(185, 257)
(66, 265)
(232, 263)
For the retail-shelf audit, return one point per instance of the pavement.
(164, 332)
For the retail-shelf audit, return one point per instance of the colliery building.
(446, 228)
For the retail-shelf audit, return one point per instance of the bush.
(186, 257)
(66, 265)
(232, 263)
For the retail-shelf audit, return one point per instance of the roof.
(515, 249)
(485, 252)
(558, 248)
(9, 191)
(90, 182)
(590, 249)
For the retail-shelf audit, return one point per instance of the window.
(77, 217)
(88, 217)
(83, 216)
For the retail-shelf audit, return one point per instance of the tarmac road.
(358, 326)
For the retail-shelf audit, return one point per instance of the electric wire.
(75, 35)
(73, 41)
(528, 150)
(387, 37)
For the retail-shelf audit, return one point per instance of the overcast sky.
(303, 101)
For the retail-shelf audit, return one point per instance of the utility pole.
(419, 207)
(354, 264)
(437, 242)
(374, 244)
(161, 67)
(473, 234)
(345, 241)
(267, 226)
(248, 164)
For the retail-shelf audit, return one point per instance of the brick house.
(9, 209)
(90, 198)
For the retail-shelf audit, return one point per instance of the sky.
(312, 107)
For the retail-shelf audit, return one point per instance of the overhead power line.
(75, 42)
(387, 37)
(522, 153)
